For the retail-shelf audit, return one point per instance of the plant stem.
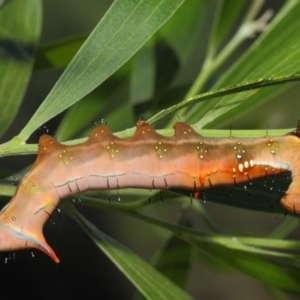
(248, 27)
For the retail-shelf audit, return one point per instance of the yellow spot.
(233, 170)
(246, 164)
(160, 156)
(251, 163)
(241, 168)
(48, 202)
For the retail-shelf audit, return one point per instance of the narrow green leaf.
(224, 22)
(258, 97)
(86, 110)
(123, 30)
(187, 19)
(200, 239)
(146, 279)
(142, 76)
(242, 253)
(270, 272)
(285, 228)
(236, 95)
(7, 189)
(91, 109)
(284, 62)
(57, 54)
(174, 260)
(20, 26)
(95, 107)
(247, 244)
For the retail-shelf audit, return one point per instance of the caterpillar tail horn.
(16, 239)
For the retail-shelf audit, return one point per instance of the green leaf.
(142, 81)
(20, 26)
(245, 254)
(197, 237)
(288, 225)
(146, 279)
(270, 272)
(91, 109)
(57, 54)
(187, 19)
(225, 18)
(284, 62)
(236, 93)
(86, 110)
(174, 260)
(123, 30)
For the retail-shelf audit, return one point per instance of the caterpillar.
(146, 160)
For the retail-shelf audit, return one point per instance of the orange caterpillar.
(147, 160)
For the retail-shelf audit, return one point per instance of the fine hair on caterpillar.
(146, 160)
